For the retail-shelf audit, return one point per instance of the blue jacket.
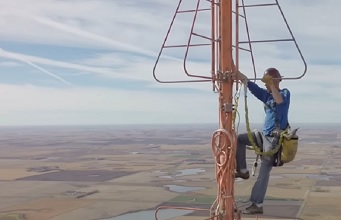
(275, 114)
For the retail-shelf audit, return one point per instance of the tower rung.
(238, 14)
(185, 11)
(186, 45)
(258, 5)
(202, 36)
(241, 48)
(265, 41)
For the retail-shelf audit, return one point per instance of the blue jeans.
(261, 184)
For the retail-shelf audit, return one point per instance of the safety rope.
(235, 110)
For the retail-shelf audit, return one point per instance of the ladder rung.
(202, 36)
(239, 14)
(265, 41)
(257, 5)
(185, 45)
(212, 1)
(185, 11)
(241, 48)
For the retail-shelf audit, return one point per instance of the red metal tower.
(225, 16)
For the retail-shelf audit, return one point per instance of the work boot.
(253, 209)
(242, 175)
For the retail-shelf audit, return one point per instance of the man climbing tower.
(276, 106)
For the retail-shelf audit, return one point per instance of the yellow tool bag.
(289, 142)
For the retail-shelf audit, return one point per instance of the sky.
(87, 62)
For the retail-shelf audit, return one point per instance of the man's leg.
(242, 142)
(241, 170)
(261, 184)
(260, 187)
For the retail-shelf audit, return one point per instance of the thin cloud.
(6, 54)
(141, 70)
(9, 64)
(33, 59)
(99, 38)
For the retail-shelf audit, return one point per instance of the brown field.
(92, 173)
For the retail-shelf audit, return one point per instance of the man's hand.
(269, 83)
(268, 80)
(242, 77)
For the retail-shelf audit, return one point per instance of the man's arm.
(269, 82)
(259, 93)
(276, 95)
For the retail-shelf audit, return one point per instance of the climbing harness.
(286, 148)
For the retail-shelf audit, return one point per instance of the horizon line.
(155, 124)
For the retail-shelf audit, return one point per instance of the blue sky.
(91, 62)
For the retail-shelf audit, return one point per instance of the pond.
(183, 189)
(164, 214)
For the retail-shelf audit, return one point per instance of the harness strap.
(249, 133)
